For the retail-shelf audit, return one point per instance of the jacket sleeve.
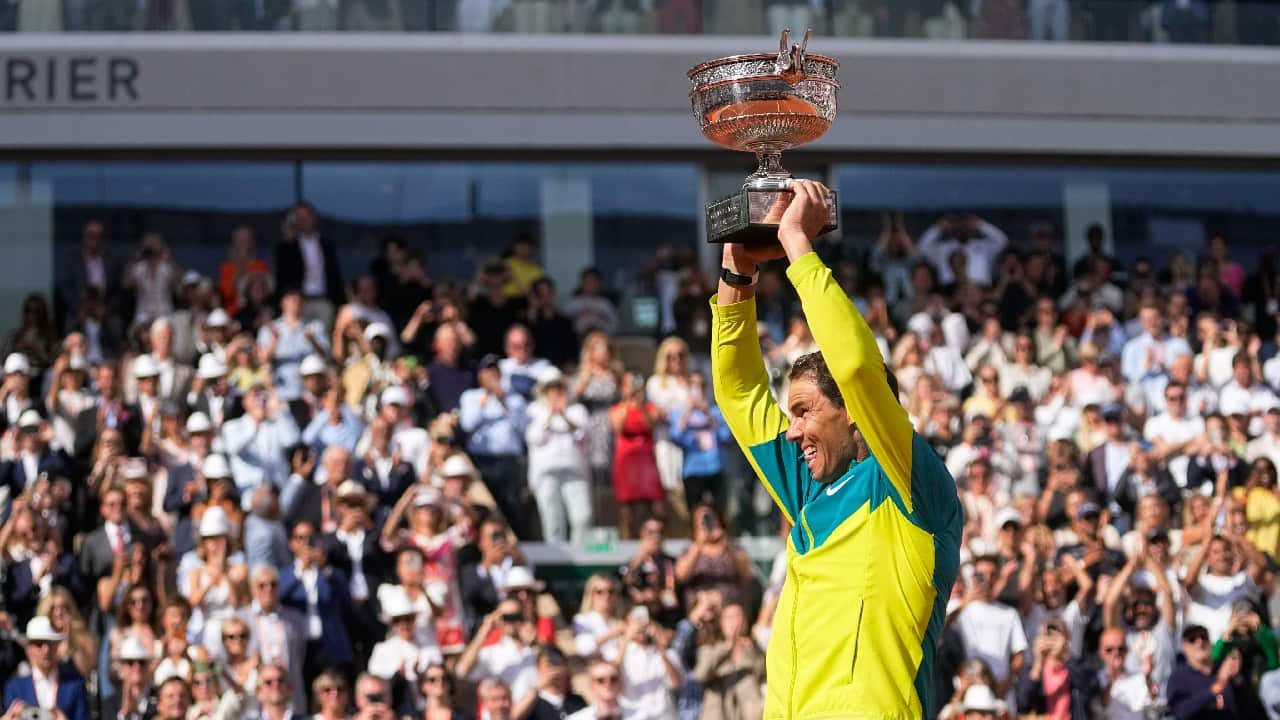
(849, 349)
(741, 386)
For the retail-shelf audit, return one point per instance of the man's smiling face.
(822, 429)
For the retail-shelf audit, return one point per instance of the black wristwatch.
(736, 279)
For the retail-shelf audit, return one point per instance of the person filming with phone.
(51, 691)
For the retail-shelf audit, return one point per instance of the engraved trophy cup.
(765, 104)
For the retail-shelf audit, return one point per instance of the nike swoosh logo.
(833, 489)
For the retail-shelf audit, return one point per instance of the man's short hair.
(813, 367)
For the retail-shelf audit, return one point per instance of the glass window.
(8, 183)
(1148, 211)
(194, 205)
(460, 214)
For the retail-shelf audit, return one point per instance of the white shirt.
(1265, 445)
(424, 627)
(1172, 430)
(46, 689)
(511, 662)
(993, 633)
(394, 653)
(982, 252)
(414, 445)
(313, 265)
(30, 466)
(1116, 455)
(1130, 699)
(117, 535)
(1255, 398)
(586, 628)
(355, 550)
(1212, 597)
(95, 271)
(269, 636)
(645, 684)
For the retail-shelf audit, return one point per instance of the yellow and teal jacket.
(872, 556)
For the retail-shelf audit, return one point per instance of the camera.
(33, 712)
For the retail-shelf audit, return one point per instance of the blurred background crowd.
(278, 486)
(1248, 22)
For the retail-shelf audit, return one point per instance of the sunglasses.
(40, 644)
(512, 618)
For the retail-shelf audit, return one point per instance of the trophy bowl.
(763, 114)
(763, 103)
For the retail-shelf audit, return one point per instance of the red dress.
(635, 473)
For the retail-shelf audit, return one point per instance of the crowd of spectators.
(261, 490)
(1251, 22)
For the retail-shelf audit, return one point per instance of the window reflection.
(1150, 211)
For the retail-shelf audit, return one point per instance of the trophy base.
(751, 216)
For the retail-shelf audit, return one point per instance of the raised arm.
(848, 345)
(741, 385)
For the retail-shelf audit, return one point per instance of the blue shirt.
(497, 428)
(321, 433)
(700, 440)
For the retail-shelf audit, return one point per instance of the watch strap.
(736, 279)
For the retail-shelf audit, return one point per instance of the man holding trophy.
(876, 521)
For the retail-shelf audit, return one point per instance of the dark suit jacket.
(232, 406)
(97, 558)
(301, 412)
(1095, 472)
(1127, 492)
(13, 473)
(128, 421)
(333, 604)
(73, 699)
(21, 593)
(399, 479)
(291, 270)
(479, 596)
(111, 708)
(32, 404)
(375, 563)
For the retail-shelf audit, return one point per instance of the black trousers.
(504, 475)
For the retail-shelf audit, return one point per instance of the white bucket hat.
(40, 629)
(520, 578)
(214, 523)
(215, 467)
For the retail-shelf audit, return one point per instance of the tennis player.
(876, 522)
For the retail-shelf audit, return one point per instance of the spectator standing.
(558, 471)
(242, 260)
(307, 261)
(667, 390)
(288, 340)
(699, 431)
(637, 485)
(495, 420)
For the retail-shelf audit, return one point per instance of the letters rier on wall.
(33, 80)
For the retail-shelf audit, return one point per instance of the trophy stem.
(769, 174)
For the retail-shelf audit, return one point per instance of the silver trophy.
(764, 104)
